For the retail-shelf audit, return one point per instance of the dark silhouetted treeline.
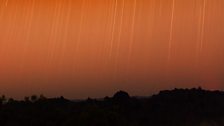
(178, 107)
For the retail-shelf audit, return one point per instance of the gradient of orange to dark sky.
(81, 48)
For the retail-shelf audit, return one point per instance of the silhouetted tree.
(27, 99)
(11, 100)
(42, 97)
(34, 98)
(3, 98)
(121, 95)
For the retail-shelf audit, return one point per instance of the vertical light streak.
(6, 3)
(2, 9)
(80, 25)
(121, 24)
(53, 38)
(171, 30)
(66, 24)
(198, 38)
(201, 29)
(29, 24)
(67, 19)
(77, 47)
(65, 35)
(1, 12)
(113, 28)
(11, 29)
(120, 31)
(132, 30)
(202, 25)
(28, 33)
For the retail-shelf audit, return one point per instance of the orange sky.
(81, 48)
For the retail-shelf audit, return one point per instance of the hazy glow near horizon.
(81, 48)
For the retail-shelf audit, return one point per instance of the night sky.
(92, 48)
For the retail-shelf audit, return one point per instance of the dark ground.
(179, 107)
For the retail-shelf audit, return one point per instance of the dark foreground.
(179, 107)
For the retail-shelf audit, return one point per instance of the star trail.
(82, 48)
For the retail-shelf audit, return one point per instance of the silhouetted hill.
(178, 107)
